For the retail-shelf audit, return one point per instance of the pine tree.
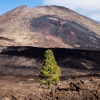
(50, 71)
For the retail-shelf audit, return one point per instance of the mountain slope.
(48, 27)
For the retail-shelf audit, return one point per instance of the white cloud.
(90, 8)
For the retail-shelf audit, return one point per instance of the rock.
(75, 91)
(71, 87)
(71, 90)
(33, 97)
(8, 97)
(62, 86)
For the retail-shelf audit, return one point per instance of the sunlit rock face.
(48, 27)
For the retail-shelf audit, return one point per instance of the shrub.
(50, 71)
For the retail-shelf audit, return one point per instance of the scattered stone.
(8, 97)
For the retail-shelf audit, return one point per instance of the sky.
(89, 8)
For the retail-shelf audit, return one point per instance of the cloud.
(90, 8)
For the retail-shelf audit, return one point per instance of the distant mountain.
(48, 27)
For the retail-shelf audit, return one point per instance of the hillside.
(48, 27)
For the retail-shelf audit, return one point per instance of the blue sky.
(6, 5)
(89, 8)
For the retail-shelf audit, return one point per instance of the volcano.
(49, 27)
(26, 33)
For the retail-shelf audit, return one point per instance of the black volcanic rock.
(48, 27)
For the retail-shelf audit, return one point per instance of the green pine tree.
(50, 71)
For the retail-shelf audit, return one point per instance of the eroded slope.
(48, 27)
